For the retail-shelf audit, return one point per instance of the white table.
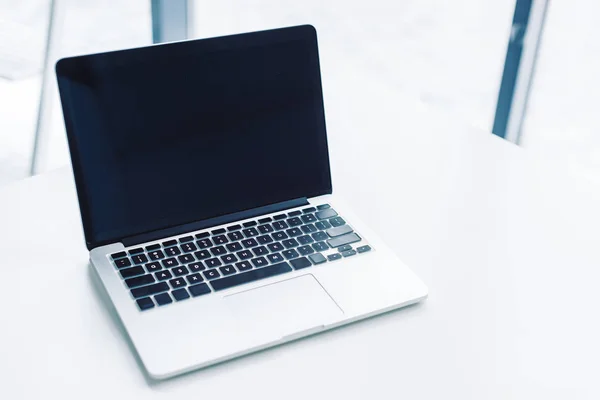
(507, 246)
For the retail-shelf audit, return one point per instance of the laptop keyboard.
(208, 261)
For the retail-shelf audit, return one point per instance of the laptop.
(204, 186)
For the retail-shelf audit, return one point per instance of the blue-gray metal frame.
(170, 20)
(519, 67)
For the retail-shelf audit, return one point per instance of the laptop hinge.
(207, 223)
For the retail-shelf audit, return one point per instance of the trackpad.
(283, 308)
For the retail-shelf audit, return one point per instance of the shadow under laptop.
(245, 361)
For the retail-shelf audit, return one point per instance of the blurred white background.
(447, 55)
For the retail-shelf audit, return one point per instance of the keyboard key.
(294, 232)
(265, 228)
(279, 216)
(153, 267)
(234, 236)
(294, 213)
(317, 258)
(279, 235)
(249, 243)
(122, 262)
(120, 254)
(172, 251)
(145, 304)
(310, 228)
(139, 259)
(337, 221)
(289, 243)
(344, 240)
(169, 262)
(221, 239)
(320, 246)
(234, 228)
(153, 247)
(349, 253)
(259, 262)
(180, 271)
(279, 225)
(169, 243)
(335, 256)
(163, 275)
(139, 250)
(363, 249)
(180, 294)
(227, 270)
(244, 254)
(196, 267)
(163, 299)
(204, 243)
(306, 239)
(234, 246)
(249, 224)
(308, 218)
(188, 247)
(260, 251)
(211, 274)
(253, 275)
(186, 239)
(156, 255)
(326, 214)
(202, 235)
(186, 259)
(212, 262)
(308, 210)
(139, 281)
(219, 250)
(129, 272)
(264, 239)
(228, 258)
(275, 258)
(202, 254)
(265, 220)
(145, 291)
(300, 263)
(274, 247)
(344, 248)
(218, 231)
(289, 254)
(322, 225)
(294, 221)
(199, 290)
(194, 278)
(305, 250)
(323, 206)
(339, 230)
(318, 236)
(177, 283)
(243, 266)
(250, 232)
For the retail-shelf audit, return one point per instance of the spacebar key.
(254, 275)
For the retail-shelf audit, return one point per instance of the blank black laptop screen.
(171, 134)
